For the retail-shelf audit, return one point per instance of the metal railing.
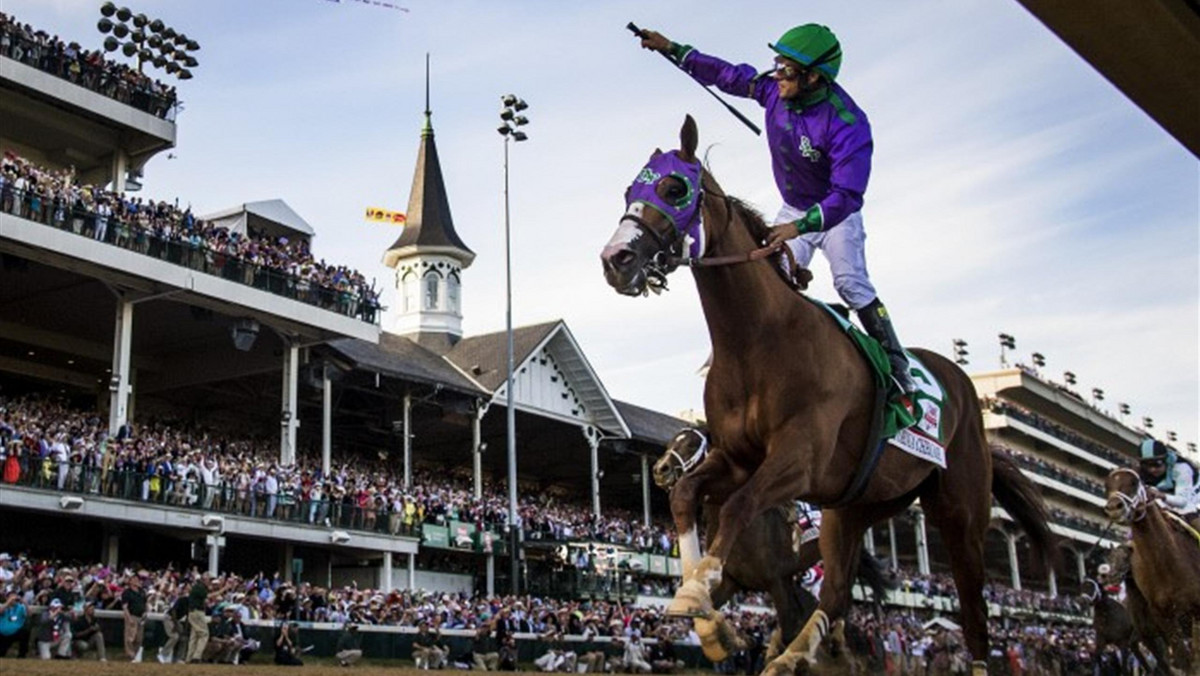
(190, 253)
(222, 498)
(107, 78)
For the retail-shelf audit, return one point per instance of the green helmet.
(812, 45)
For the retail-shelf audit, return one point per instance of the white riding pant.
(844, 247)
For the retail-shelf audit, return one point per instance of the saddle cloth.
(913, 423)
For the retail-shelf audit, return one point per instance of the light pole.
(960, 352)
(510, 130)
(1009, 343)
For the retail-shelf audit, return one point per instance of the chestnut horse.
(1165, 561)
(790, 403)
(767, 557)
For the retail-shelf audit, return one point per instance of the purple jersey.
(820, 153)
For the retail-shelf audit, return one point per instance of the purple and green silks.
(820, 150)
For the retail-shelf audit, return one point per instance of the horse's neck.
(1153, 543)
(746, 299)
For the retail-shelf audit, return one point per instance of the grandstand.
(204, 390)
(183, 330)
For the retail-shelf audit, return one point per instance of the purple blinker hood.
(684, 214)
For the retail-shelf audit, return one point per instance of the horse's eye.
(675, 192)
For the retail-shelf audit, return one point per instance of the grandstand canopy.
(274, 217)
(1149, 49)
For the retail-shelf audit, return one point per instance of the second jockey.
(821, 145)
(1170, 479)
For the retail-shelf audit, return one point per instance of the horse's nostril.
(623, 258)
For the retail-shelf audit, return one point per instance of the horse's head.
(1126, 495)
(685, 450)
(661, 222)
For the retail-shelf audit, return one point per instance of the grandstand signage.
(461, 535)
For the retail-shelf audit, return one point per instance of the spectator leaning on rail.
(821, 145)
(1171, 479)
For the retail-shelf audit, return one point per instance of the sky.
(1014, 189)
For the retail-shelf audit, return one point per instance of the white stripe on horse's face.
(689, 550)
(627, 230)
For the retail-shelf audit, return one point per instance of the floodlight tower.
(146, 37)
(510, 129)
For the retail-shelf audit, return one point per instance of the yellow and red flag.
(378, 215)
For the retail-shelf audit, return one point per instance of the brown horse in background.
(767, 557)
(1165, 562)
(790, 404)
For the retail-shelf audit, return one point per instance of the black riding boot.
(878, 323)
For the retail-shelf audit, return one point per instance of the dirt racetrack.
(33, 667)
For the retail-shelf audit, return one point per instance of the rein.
(1095, 595)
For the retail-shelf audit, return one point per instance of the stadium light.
(1147, 422)
(145, 36)
(1007, 342)
(1191, 447)
(1123, 408)
(1172, 437)
(1097, 394)
(510, 130)
(1039, 359)
(1069, 377)
(960, 352)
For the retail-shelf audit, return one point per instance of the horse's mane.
(738, 207)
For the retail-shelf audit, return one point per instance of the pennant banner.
(377, 215)
(377, 3)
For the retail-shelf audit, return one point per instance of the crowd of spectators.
(938, 584)
(1007, 408)
(1057, 472)
(86, 68)
(48, 444)
(162, 230)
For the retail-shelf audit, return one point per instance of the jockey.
(820, 143)
(1170, 479)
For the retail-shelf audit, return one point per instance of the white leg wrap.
(689, 551)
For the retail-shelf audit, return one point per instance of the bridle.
(1133, 507)
(670, 253)
(1096, 592)
(687, 465)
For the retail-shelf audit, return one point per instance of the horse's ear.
(656, 153)
(689, 138)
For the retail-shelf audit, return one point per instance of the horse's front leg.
(693, 596)
(840, 542)
(718, 638)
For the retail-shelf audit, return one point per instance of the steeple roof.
(429, 227)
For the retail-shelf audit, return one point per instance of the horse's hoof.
(710, 640)
(781, 666)
(691, 600)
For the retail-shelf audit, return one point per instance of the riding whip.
(736, 113)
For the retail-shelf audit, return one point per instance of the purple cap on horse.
(682, 212)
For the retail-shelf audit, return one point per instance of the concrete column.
(120, 167)
(922, 545)
(892, 544)
(491, 574)
(1013, 560)
(385, 573)
(645, 491)
(1081, 565)
(1053, 585)
(131, 400)
(118, 387)
(326, 422)
(407, 420)
(412, 571)
(477, 449)
(869, 540)
(214, 553)
(289, 552)
(290, 417)
(594, 446)
(112, 549)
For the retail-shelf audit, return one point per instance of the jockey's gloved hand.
(812, 221)
(656, 41)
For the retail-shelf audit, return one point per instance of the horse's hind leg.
(964, 536)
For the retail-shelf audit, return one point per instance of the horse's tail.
(871, 572)
(1020, 497)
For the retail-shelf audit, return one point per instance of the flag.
(378, 215)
